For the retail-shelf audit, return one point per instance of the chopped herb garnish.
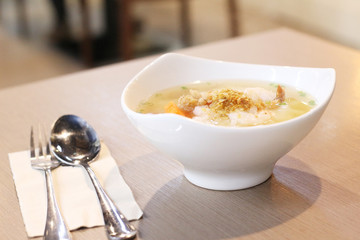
(276, 85)
(283, 103)
(184, 88)
(312, 102)
(302, 94)
(158, 95)
(147, 103)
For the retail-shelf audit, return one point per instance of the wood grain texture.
(314, 192)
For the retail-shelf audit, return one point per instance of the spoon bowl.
(74, 142)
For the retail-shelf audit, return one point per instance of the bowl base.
(225, 181)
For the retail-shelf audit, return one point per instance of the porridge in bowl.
(231, 103)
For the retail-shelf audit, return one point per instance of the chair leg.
(86, 45)
(185, 22)
(126, 48)
(233, 18)
(22, 18)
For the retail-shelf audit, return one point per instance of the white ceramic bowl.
(215, 157)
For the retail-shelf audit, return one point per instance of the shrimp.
(280, 98)
(280, 94)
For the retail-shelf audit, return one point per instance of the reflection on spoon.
(74, 142)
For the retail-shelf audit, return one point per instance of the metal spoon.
(74, 142)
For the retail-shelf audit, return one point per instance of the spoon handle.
(117, 226)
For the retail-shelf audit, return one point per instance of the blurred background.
(48, 38)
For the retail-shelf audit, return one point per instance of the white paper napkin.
(75, 194)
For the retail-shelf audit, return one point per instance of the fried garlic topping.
(221, 102)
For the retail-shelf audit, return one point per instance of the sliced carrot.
(171, 107)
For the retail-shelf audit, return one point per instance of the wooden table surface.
(314, 192)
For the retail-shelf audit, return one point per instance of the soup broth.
(231, 103)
